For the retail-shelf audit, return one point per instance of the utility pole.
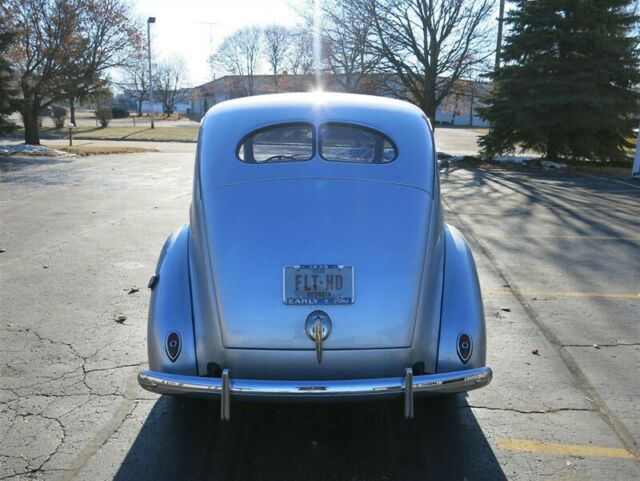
(473, 94)
(150, 20)
(499, 41)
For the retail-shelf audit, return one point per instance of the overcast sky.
(181, 26)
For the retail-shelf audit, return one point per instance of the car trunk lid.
(257, 229)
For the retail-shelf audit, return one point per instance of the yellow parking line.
(579, 450)
(576, 236)
(626, 296)
(618, 181)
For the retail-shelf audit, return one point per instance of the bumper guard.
(224, 387)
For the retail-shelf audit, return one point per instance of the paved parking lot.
(559, 261)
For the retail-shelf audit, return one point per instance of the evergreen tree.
(565, 87)
(7, 92)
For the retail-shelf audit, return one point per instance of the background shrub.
(104, 115)
(58, 115)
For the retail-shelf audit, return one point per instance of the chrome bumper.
(225, 387)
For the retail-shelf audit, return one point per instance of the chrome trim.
(318, 328)
(408, 393)
(317, 333)
(225, 387)
(225, 398)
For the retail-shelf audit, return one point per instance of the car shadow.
(350, 441)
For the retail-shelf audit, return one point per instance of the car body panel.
(462, 309)
(228, 122)
(256, 229)
(170, 308)
(417, 295)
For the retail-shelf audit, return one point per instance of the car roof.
(227, 123)
(315, 101)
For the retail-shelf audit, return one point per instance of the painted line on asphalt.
(570, 236)
(618, 181)
(560, 449)
(624, 296)
(580, 378)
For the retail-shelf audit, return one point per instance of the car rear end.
(316, 255)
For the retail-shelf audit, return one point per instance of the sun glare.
(317, 44)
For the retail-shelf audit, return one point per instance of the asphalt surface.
(559, 260)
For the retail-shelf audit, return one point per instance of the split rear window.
(278, 143)
(352, 143)
(338, 142)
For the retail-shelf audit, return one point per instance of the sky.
(182, 26)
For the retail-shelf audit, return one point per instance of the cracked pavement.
(79, 233)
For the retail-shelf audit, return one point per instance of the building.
(458, 109)
(129, 100)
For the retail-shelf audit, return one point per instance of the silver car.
(316, 264)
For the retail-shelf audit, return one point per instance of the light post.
(499, 39)
(150, 20)
(635, 170)
(71, 125)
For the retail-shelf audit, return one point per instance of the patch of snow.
(547, 164)
(445, 159)
(513, 159)
(521, 160)
(31, 150)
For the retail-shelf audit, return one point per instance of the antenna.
(210, 24)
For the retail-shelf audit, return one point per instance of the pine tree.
(566, 84)
(7, 92)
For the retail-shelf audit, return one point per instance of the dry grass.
(159, 134)
(163, 134)
(173, 116)
(84, 150)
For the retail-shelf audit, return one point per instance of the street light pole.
(499, 41)
(635, 170)
(150, 20)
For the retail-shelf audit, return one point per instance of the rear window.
(278, 143)
(352, 143)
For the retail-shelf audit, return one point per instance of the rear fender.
(462, 309)
(170, 309)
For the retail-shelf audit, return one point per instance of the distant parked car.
(317, 263)
(119, 112)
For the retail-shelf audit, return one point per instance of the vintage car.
(316, 264)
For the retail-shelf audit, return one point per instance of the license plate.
(318, 284)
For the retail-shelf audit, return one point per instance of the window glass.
(280, 143)
(351, 143)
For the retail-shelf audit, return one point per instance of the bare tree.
(347, 52)
(299, 59)
(136, 81)
(109, 38)
(169, 82)
(239, 54)
(63, 50)
(276, 43)
(430, 44)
